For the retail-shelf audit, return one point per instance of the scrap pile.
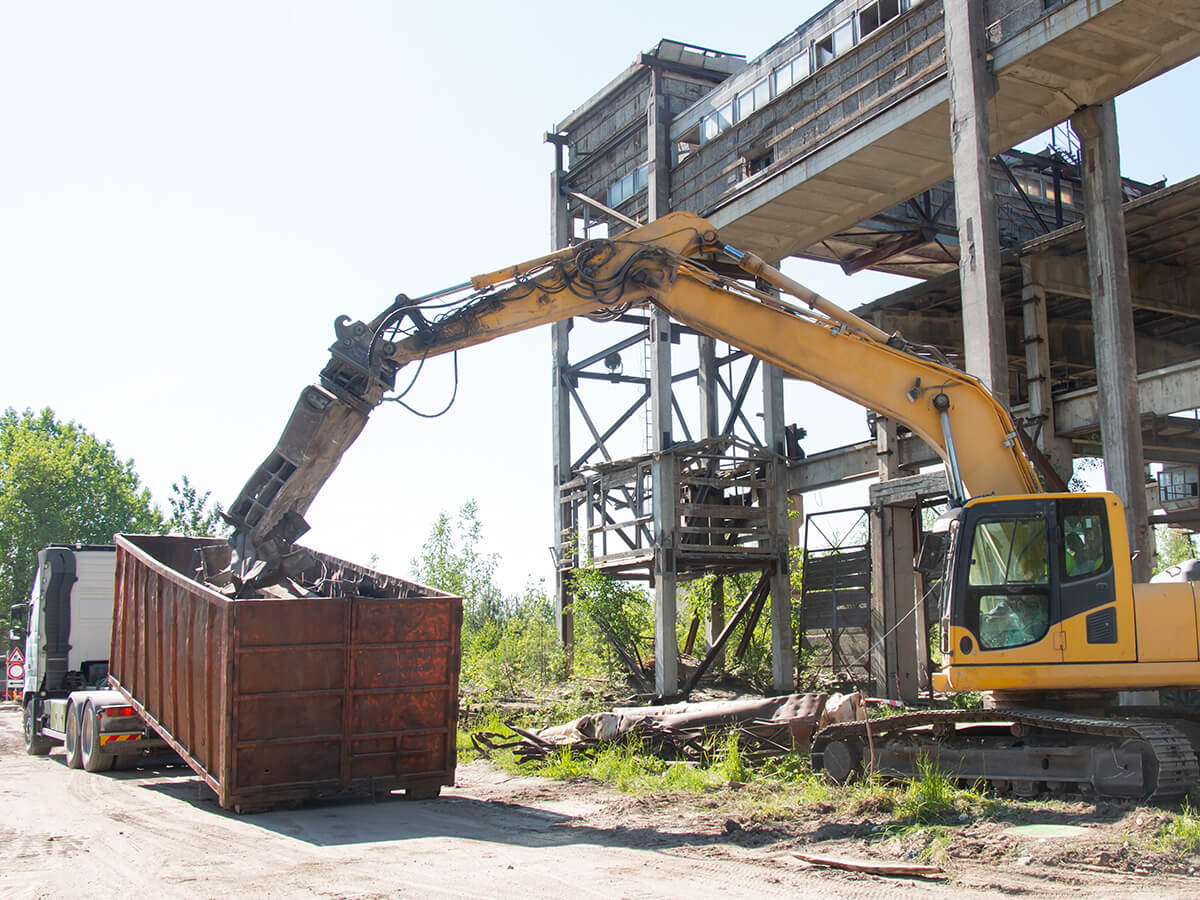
(311, 574)
(765, 727)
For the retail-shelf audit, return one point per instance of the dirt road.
(160, 833)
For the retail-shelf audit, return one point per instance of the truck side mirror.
(18, 621)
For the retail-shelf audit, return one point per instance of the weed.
(870, 794)
(464, 748)
(966, 700)
(1181, 831)
(730, 763)
(932, 794)
(935, 841)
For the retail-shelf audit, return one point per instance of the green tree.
(1088, 472)
(452, 560)
(60, 484)
(1172, 547)
(192, 513)
(606, 610)
(509, 643)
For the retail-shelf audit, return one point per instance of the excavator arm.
(665, 263)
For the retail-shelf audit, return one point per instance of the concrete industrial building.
(875, 135)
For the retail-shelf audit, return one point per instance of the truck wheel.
(35, 744)
(93, 759)
(74, 757)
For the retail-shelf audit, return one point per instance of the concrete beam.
(841, 465)
(1070, 341)
(1160, 392)
(908, 489)
(1165, 289)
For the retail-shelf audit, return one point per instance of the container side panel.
(198, 677)
(401, 666)
(190, 710)
(392, 621)
(313, 763)
(116, 657)
(265, 717)
(408, 754)
(267, 623)
(134, 632)
(153, 698)
(222, 726)
(287, 669)
(215, 647)
(169, 684)
(377, 713)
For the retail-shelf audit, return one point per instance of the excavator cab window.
(1085, 538)
(1008, 582)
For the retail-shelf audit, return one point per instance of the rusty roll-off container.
(277, 700)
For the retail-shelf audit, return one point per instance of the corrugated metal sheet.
(279, 700)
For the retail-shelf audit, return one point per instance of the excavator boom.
(662, 263)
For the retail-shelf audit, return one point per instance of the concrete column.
(666, 642)
(560, 405)
(894, 641)
(1112, 319)
(1037, 367)
(707, 384)
(666, 674)
(783, 639)
(658, 149)
(894, 665)
(971, 90)
(709, 426)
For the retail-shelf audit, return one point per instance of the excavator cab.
(1031, 582)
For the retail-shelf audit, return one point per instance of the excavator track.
(1025, 750)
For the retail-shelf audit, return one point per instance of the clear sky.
(193, 192)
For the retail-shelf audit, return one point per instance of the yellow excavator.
(1040, 609)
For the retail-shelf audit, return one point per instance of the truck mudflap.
(1020, 750)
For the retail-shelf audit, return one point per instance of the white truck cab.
(67, 698)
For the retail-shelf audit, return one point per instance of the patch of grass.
(966, 700)
(628, 766)
(773, 790)
(1181, 832)
(869, 794)
(937, 844)
(929, 796)
(729, 762)
(933, 794)
(463, 746)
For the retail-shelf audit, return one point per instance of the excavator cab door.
(1097, 619)
(1007, 607)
